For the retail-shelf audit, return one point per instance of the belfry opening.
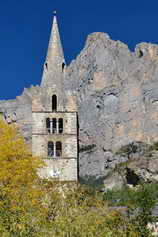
(60, 124)
(54, 103)
(50, 149)
(58, 149)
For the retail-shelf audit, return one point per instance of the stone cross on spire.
(55, 56)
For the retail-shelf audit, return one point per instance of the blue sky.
(25, 28)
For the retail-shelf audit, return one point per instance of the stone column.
(51, 126)
(54, 149)
(57, 126)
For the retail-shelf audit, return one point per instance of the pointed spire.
(55, 56)
(55, 47)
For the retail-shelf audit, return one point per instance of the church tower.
(54, 117)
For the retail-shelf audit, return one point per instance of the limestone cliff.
(117, 96)
(117, 93)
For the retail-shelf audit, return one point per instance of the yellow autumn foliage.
(84, 214)
(31, 207)
(20, 192)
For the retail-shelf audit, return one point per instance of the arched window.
(54, 103)
(48, 124)
(51, 149)
(54, 125)
(58, 149)
(60, 122)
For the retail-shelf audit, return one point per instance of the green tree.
(144, 201)
(139, 202)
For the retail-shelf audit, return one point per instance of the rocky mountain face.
(117, 96)
(19, 111)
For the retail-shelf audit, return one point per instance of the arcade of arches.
(54, 125)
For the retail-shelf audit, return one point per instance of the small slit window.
(63, 66)
(46, 66)
(54, 103)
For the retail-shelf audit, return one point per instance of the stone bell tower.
(54, 117)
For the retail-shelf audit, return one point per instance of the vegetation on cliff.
(139, 202)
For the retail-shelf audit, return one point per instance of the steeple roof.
(55, 50)
(55, 56)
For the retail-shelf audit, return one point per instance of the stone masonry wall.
(62, 169)
(69, 146)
